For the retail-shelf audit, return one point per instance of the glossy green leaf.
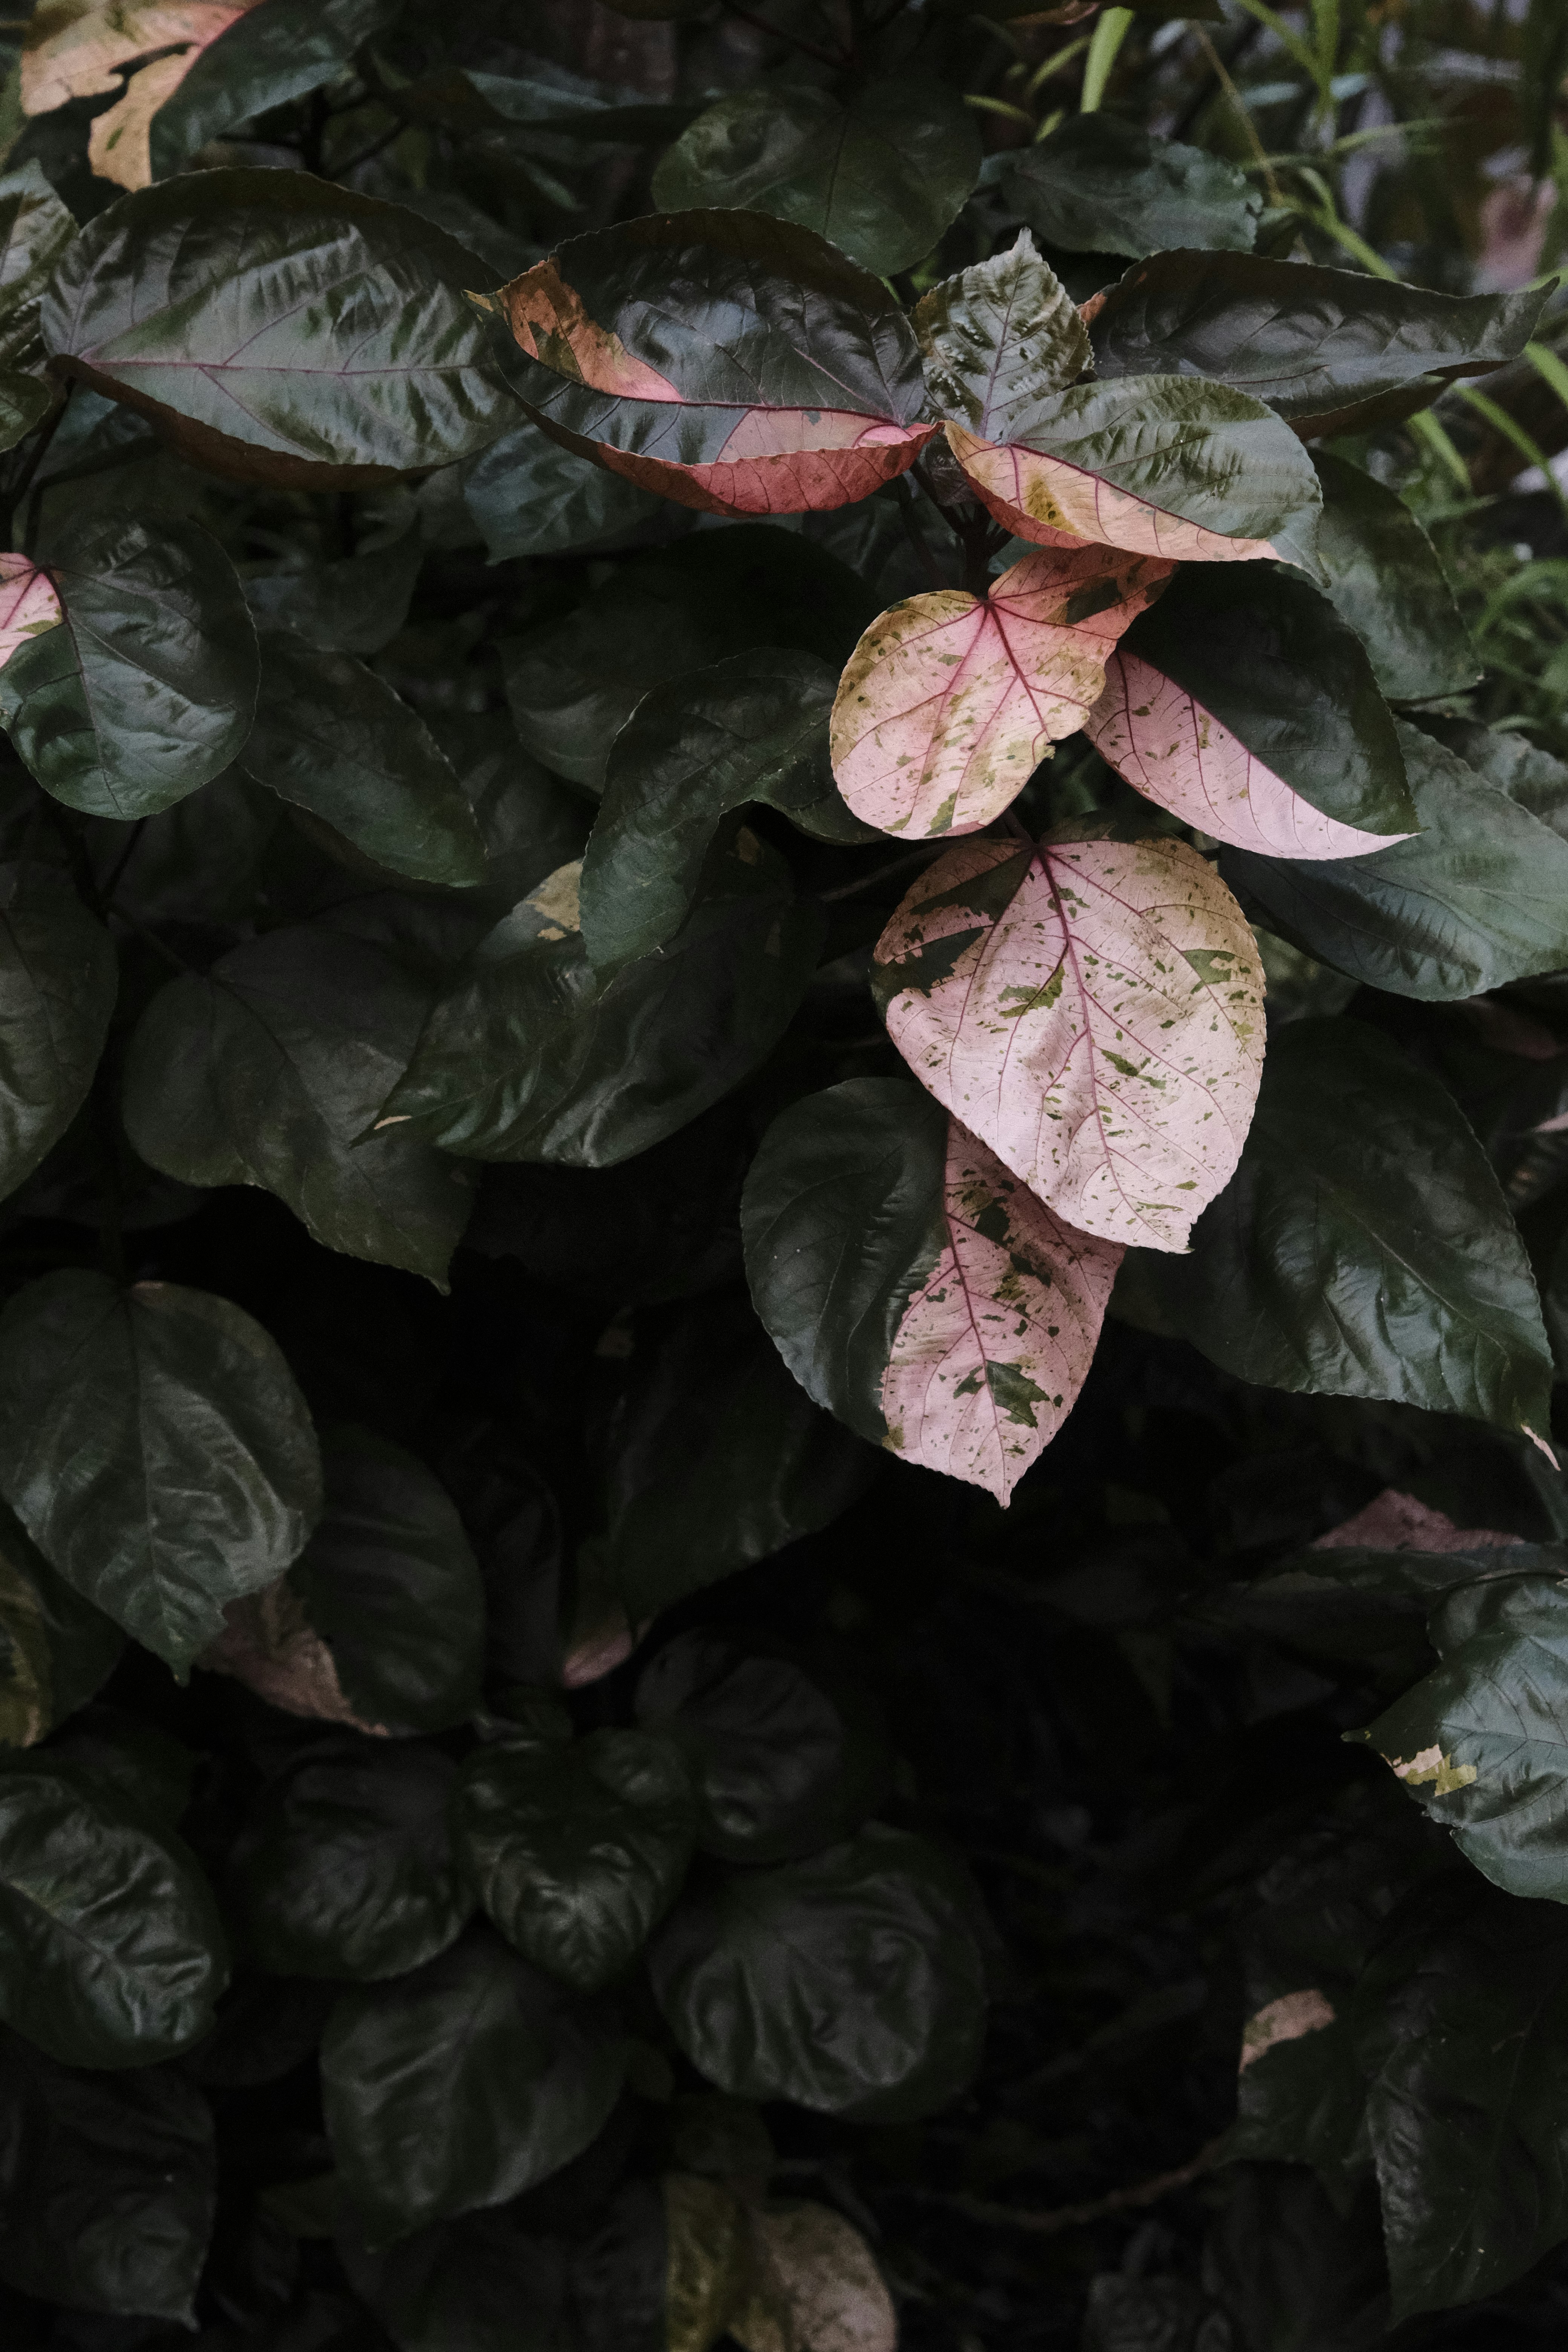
(783, 1759)
(1319, 345)
(715, 1458)
(58, 975)
(577, 1851)
(269, 1071)
(346, 1866)
(1096, 184)
(206, 303)
(25, 402)
(850, 1982)
(108, 2186)
(1364, 1248)
(1479, 895)
(111, 1949)
(58, 1650)
(332, 738)
(354, 604)
(461, 2086)
(999, 337)
(1507, 761)
(530, 497)
(391, 1584)
(879, 170)
(156, 1449)
(1385, 582)
(148, 686)
(265, 58)
(530, 1055)
(751, 730)
(35, 229)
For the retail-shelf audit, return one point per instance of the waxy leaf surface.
(780, 378)
(1096, 184)
(58, 975)
(530, 497)
(35, 229)
(950, 702)
(1092, 1012)
(999, 336)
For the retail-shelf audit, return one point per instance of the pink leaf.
(1055, 503)
(28, 603)
(1093, 1010)
(948, 701)
(995, 1345)
(1179, 755)
(76, 51)
(1396, 1522)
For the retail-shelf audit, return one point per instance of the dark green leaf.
(352, 606)
(332, 738)
(843, 1218)
(1385, 582)
(850, 1982)
(152, 1773)
(530, 822)
(108, 2186)
(528, 1055)
(486, 2282)
(1477, 897)
(881, 170)
(716, 1458)
(461, 2086)
(25, 402)
(753, 729)
(530, 497)
(577, 1851)
(206, 303)
(35, 229)
(390, 1584)
(346, 1866)
(999, 337)
(1510, 763)
(783, 1759)
(1319, 345)
(1099, 185)
(266, 57)
(198, 862)
(58, 974)
(156, 1449)
(111, 1949)
(148, 687)
(60, 1649)
(1364, 1248)
(269, 1070)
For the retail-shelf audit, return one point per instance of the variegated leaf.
(74, 50)
(28, 603)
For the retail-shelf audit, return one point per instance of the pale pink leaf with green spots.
(995, 1345)
(1093, 1011)
(950, 702)
(29, 604)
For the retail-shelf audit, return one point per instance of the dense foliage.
(783, 1002)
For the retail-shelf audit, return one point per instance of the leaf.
(58, 974)
(154, 1446)
(763, 303)
(390, 1584)
(1512, 763)
(265, 56)
(147, 687)
(530, 1055)
(62, 1649)
(530, 497)
(1480, 896)
(355, 605)
(35, 229)
(489, 2282)
(346, 1867)
(750, 729)
(1092, 1011)
(784, 1757)
(850, 1983)
(1248, 710)
(1163, 467)
(111, 1953)
(331, 736)
(999, 337)
(269, 1071)
(77, 50)
(1319, 345)
(914, 1287)
(25, 402)
(205, 303)
(1097, 185)
(269, 1643)
(950, 702)
(461, 2086)
(29, 605)
(818, 2286)
(1385, 583)
(1364, 1248)
(714, 1459)
(110, 2185)
(881, 170)
(577, 1851)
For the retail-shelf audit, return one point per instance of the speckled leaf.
(1092, 1011)
(29, 603)
(999, 336)
(950, 702)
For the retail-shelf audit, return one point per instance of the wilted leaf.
(58, 975)
(1096, 184)
(1092, 1012)
(1385, 581)
(950, 702)
(999, 337)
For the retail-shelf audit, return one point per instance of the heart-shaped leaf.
(950, 702)
(1092, 1012)
(999, 337)
(780, 377)
(58, 975)
(1097, 185)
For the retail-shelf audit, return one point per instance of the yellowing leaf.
(81, 49)
(29, 604)
(993, 1346)
(949, 700)
(1093, 1011)
(708, 2273)
(25, 1677)
(818, 2288)
(1167, 746)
